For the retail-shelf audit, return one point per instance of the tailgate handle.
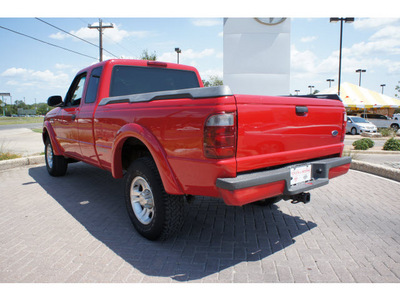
(301, 110)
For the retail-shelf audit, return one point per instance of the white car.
(357, 125)
(382, 121)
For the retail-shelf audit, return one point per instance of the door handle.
(301, 110)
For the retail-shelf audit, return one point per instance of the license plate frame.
(300, 174)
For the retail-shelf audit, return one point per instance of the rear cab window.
(126, 80)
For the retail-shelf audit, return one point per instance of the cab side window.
(75, 92)
(93, 85)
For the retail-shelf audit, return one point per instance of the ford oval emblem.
(335, 133)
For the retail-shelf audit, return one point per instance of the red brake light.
(156, 63)
(220, 136)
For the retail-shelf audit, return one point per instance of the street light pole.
(383, 85)
(346, 20)
(177, 50)
(310, 87)
(360, 71)
(297, 92)
(330, 81)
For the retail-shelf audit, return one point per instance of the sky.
(32, 71)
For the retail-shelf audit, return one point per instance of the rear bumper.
(259, 185)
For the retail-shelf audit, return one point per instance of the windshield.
(358, 120)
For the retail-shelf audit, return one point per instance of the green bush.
(392, 145)
(361, 145)
(387, 132)
(370, 142)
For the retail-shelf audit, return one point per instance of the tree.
(146, 56)
(397, 88)
(214, 80)
(42, 109)
(20, 104)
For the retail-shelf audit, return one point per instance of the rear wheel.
(56, 165)
(395, 127)
(155, 214)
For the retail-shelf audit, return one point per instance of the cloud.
(388, 32)
(371, 23)
(191, 54)
(308, 39)
(115, 34)
(206, 22)
(186, 55)
(38, 79)
(211, 72)
(302, 62)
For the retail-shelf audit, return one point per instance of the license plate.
(300, 174)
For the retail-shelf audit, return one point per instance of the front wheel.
(56, 165)
(353, 131)
(155, 214)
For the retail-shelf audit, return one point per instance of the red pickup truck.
(171, 138)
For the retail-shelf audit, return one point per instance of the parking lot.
(76, 229)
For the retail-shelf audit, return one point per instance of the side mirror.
(54, 101)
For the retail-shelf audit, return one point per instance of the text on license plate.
(300, 174)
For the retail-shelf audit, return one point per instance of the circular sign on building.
(270, 21)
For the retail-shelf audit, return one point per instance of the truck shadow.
(214, 236)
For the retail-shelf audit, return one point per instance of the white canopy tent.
(354, 97)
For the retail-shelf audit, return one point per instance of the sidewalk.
(374, 160)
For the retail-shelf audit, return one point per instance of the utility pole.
(100, 29)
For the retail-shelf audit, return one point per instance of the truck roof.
(139, 63)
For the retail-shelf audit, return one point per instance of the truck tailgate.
(281, 130)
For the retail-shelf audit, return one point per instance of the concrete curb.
(375, 152)
(19, 162)
(375, 169)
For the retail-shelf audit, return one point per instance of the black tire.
(395, 127)
(56, 165)
(155, 214)
(353, 131)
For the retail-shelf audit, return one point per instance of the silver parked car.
(357, 125)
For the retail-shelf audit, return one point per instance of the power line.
(109, 39)
(67, 32)
(33, 38)
(74, 36)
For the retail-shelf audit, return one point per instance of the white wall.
(256, 57)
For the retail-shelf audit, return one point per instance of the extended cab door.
(68, 134)
(85, 127)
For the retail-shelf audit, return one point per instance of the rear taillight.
(344, 126)
(220, 136)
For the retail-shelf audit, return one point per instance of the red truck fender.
(171, 184)
(48, 132)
